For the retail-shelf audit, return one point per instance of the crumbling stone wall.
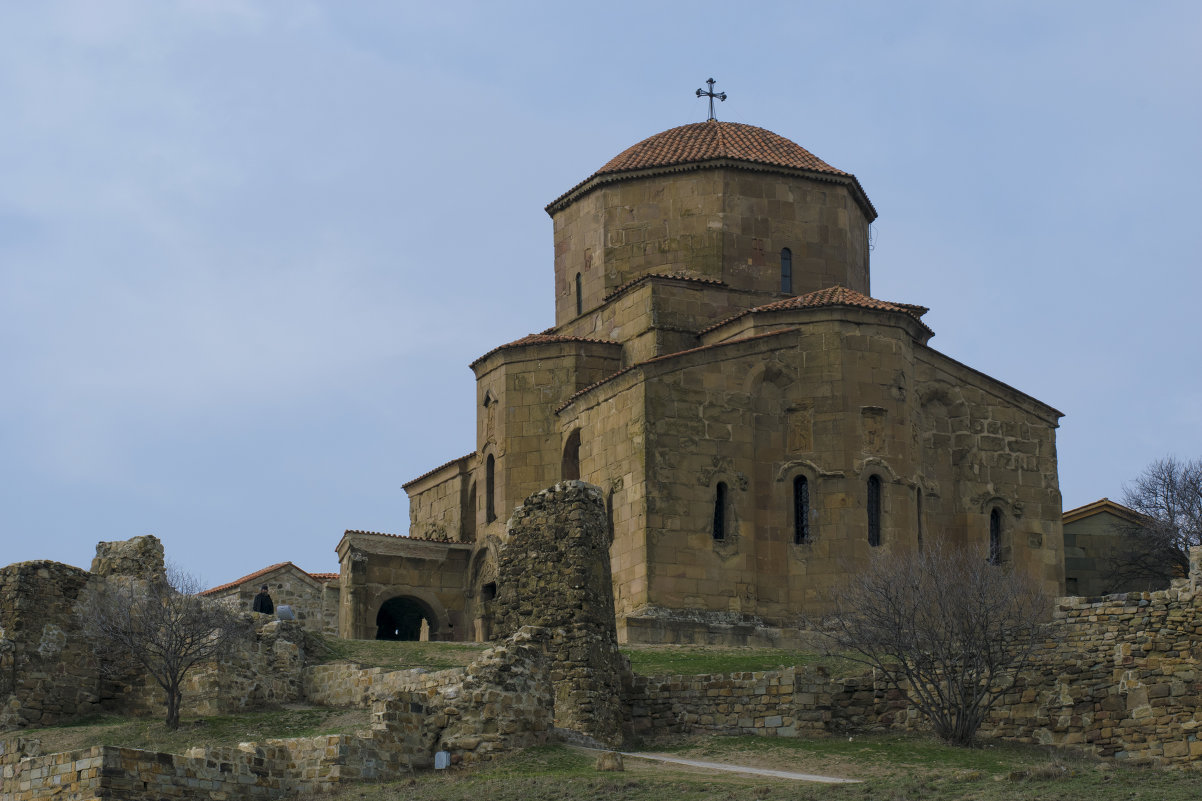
(554, 573)
(49, 675)
(500, 702)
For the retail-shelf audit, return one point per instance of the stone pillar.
(554, 573)
(1195, 567)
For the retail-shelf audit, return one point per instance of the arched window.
(490, 489)
(579, 296)
(786, 270)
(571, 457)
(801, 510)
(874, 511)
(995, 537)
(720, 511)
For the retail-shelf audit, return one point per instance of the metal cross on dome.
(711, 94)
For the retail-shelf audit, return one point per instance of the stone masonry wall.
(554, 572)
(1120, 677)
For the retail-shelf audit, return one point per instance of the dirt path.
(776, 774)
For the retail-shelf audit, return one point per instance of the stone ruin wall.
(49, 675)
(554, 574)
(500, 702)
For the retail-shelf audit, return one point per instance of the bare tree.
(1168, 495)
(945, 627)
(161, 627)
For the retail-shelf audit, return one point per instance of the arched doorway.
(401, 618)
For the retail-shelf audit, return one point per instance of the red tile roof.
(541, 339)
(673, 276)
(432, 472)
(713, 143)
(831, 296)
(252, 576)
(403, 537)
(705, 141)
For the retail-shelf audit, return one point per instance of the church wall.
(518, 427)
(821, 224)
(985, 446)
(437, 503)
(612, 457)
(624, 229)
(715, 223)
(821, 402)
(660, 315)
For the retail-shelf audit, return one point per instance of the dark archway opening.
(571, 457)
(401, 619)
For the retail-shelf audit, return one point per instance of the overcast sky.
(248, 249)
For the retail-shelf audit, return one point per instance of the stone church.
(759, 424)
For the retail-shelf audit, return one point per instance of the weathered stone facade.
(554, 574)
(313, 597)
(755, 420)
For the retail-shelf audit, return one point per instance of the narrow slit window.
(874, 511)
(801, 510)
(720, 511)
(786, 270)
(995, 537)
(918, 504)
(579, 296)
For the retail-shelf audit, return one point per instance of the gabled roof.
(1101, 506)
(541, 339)
(696, 279)
(429, 473)
(269, 569)
(834, 296)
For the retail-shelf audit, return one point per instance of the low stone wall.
(252, 771)
(788, 702)
(1120, 676)
(347, 684)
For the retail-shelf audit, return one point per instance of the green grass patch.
(393, 655)
(694, 660)
(152, 735)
